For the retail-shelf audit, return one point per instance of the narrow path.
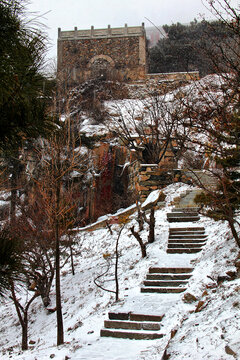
(167, 280)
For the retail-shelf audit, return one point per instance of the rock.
(50, 311)
(200, 306)
(189, 298)
(77, 325)
(237, 264)
(232, 274)
(229, 351)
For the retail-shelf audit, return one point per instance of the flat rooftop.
(101, 33)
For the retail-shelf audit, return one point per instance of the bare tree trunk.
(116, 264)
(139, 217)
(116, 272)
(13, 183)
(25, 332)
(23, 315)
(151, 236)
(234, 232)
(72, 262)
(141, 243)
(60, 334)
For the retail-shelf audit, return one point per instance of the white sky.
(83, 13)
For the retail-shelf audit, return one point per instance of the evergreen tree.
(23, 95)
(185, 47)
(10, 261)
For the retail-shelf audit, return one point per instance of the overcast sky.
(83, 13)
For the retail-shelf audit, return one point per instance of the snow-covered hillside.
(211, 332)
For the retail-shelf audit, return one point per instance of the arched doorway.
(101, 66)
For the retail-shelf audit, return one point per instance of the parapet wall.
(99, 33)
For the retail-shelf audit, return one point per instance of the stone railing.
(99, 33)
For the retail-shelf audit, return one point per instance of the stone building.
(119, 52)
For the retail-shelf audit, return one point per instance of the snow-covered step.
(134, 335)
(185, 209)
(168, 276)
(187, 233)
(162, 290)
(184, 229)
(185, 245)
(134, 317)
(132, 325)
(183, 219)
(187, 241)
(128, 325)
(168, 270)
(182, 214)
(185, 214)
(183, 250)
(187, 236)
(164, 283)
(166, 280)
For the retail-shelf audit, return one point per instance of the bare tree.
(22, 312)
(61, 162)
(210, 113)
(146, 126)
(108, 258)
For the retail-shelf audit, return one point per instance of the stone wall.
(174, 76)
(118, 52)
(144, 178)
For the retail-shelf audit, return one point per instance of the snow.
(207, 334)
(152, 197)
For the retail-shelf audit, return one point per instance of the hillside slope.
(210, 333)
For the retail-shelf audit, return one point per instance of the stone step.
(194, 233)
(185, 209)
(131, 325)
(191, 237)
(186, 241)
(118, 316)
(185, 246)
(182, 214)
(199, 228)
(167, 277)
(184, 219)
(130, 334)
(134, 317)
(162, 290)
(183, 251)
(176, 270)
(166, 283)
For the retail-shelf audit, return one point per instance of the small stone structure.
(145, 178)
(83, 54)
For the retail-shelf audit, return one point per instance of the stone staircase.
(127, 325)
(162, 280)
(186, 240)
(204, 178)
(186, 199)
(166, 280)
(188, 214)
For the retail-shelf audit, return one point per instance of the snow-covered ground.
(211, 333)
